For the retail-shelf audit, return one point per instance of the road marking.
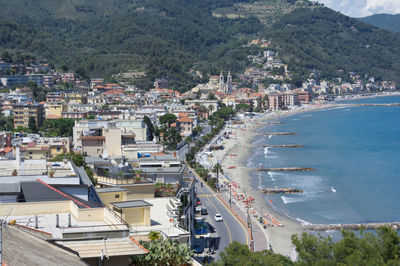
(246, 232)
(206, 195)
(226, 225)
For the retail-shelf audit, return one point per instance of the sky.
(363, 8)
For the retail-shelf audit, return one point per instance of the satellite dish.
(126, 164)
(113, 162)
(120, 165)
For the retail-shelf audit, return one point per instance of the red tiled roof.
(185, 119)
(51, 116)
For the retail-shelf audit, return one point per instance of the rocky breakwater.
(281, 190)
(286, 169)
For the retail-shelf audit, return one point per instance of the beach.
(236, 153)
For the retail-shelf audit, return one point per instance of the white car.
(218, 217)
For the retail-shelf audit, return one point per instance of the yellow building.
(55, 109)
(112, 194)
(134, 212)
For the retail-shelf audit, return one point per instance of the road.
(231, 229)
(181, 153)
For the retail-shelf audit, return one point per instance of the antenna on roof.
(3, 224)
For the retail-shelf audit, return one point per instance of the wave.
(288, 200)
(303, 222)
(266, 151)
(260, 181)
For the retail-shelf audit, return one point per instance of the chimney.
(57, 220)
(69, 220)
(17, 157)
(8, 140)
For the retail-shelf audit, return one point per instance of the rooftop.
(110, 246)
(131, 204)
(23, 247)
(110, 189)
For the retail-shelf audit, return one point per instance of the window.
(117, 196)
(58, 149)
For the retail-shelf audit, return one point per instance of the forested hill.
(325, 40)
(183, 40)
(103, 37)
(384, 21)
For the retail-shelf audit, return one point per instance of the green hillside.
(104, 37)
(384, 21)
(321, 39)
(187, 40)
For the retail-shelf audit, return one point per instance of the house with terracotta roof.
(184, 125)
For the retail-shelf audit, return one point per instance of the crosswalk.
(205, 195)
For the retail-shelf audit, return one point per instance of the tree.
(218, 169)
(150, 127)
(239, 254)
(210, 109)
(368, 248)
(154, 235)
(168, 119)
(32, 124)
(164, 252)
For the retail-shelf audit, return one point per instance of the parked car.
(198, 249)
(218, 217)
(204, 211)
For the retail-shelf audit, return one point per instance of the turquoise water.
(356, 151)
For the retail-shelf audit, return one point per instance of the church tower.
(229, 84)
(221, 82)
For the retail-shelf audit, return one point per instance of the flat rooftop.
(131, 204)
(47, 223)
(110, 189)
(111, 247)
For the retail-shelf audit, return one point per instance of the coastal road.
(231, 229)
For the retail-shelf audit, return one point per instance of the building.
(21, 80)
(35, 147)
(275, 101)
(22, 113)
(55, 109)
(184, 125)
(53, 97)
(108, 138)
(290, 99)
(68, 78)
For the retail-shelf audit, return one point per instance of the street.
(227, 231)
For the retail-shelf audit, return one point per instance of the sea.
(356, 154)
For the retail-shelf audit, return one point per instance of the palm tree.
(188, 140)
(218, 169)
(211, 109)
(153, 235)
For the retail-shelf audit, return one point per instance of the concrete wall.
(34, 208)
(113, 141)
(137, 216)
(142, 191)
(109, 197)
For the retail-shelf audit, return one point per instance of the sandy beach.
(235, 154)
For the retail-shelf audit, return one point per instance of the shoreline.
(240, 145)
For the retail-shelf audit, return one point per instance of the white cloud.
(362, 8)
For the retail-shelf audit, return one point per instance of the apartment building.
(22, 112)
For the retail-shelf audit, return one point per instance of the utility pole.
(249, 225)
(230, 196)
